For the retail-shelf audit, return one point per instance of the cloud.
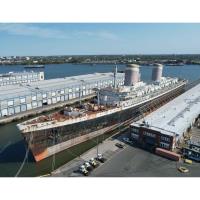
(98, 34)
(32, 30)
(44, 32)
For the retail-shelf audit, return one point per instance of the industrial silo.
(132, 74)
(157, 72)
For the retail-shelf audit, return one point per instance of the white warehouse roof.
(177, 115)
(24, 89)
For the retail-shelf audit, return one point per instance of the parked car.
(93, 162)
(119, 145)
(188, 161)
(100, 158)
(183, 169)
(88, 166)
(83, 170)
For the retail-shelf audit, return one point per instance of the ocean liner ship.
(114, 107)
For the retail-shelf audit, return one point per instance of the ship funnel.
(132, 74)
(157, 72)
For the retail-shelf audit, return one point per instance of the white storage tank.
(132, 74)
(157, 72)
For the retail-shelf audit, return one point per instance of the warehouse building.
(167, 126)
(23, 77)
(15, 99)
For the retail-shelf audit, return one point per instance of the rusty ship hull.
(49, 141)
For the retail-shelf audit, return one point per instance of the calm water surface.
(12, 147)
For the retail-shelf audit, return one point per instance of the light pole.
(97, 146)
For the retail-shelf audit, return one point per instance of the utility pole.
(97, 145)
(115, 76)
(98, 101)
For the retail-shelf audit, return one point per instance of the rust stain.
(41, 155)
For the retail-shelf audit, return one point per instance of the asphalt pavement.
(136, 162)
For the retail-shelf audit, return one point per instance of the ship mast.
(98, 100)
(115, 76)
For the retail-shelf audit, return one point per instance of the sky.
(41, 39)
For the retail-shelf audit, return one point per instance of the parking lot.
(108, 148)
(135, 162)
(129, 161)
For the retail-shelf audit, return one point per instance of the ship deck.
(60, 117)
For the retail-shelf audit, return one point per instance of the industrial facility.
(167, 126)
(23, 77)
(29, 95)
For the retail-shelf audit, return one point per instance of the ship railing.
(156, 93)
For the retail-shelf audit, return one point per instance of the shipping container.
(29, 106)
(39, 97)
(168, 154)
(4, 112)
(66, 97)
(28, 99)
(17, 109)
(34, 104)
(23, 107)
(49, 94)
(4, 104)
(49, 101)
(44, 96)
(11, 111)
(22, 100)
(10, 103)
(62, 98)
(53, 100)
(58, 99)
(39, 103)
(33, 98)
(16, 101)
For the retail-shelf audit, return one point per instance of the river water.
(12, 146)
